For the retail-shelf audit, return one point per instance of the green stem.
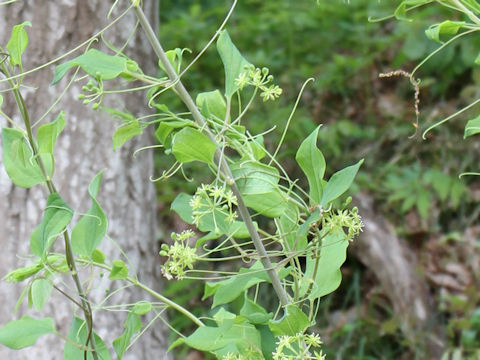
(223, 165)
(167, 301)
(466, 11)
(51, 188)
(152, 292)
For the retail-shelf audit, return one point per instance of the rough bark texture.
(83, 149)
(395, 266)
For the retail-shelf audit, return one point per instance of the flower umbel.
(298, 346)
(350, 220)
(260, 79)
(271, 93)
(180, 255)
(215, 203)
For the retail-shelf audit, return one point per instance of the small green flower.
(230, 198)
(231, 217)
(217, 192)
(242, 80)
(271, 93)
(257, 77)
(313, 340)
(195, 202)
(185, 235)
(284, 341)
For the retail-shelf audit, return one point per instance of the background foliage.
(415, 183)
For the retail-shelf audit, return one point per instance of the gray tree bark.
(83, 149)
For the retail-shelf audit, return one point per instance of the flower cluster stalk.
(134, 281)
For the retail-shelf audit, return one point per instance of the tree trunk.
(395, 266)
(82, 150)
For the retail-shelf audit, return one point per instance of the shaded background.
(410, 286)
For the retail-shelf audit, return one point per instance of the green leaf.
(254, 312)
(215, 224)
(423, 204)
(401, 11)
(97, 64)
(328, 277)
(23, 273)
(165, 131)
(231, 335)
(239, 230)
(477, 60)
(18, 43)
(312, 218)
(227, 290)
(440, 182)
(124, 133)
(208, 338)
(98, 256)
(258, 184)
(181, 205)
(339, 183)
(18, 334)
(162, 133)
(119, 270)
(57, 262)
(456, 192)
(288, 229)
(40, 292)
(77, 337)
(175, 58)
(18, 159)
(472, 127)
(191, 145)
(293, 321)
(271, 204)
(47, 134)
(408, 203)
(132, 325)
(312, 163)
(240, 339)
(258, 147)
(268, 341)
(142, 307)
(445, 28)
(56, 217)
(92, 227)
(20, 299)
(233, 62)
(212, 104)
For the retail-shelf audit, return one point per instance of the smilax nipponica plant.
(290, 239)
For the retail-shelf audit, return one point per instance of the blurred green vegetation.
(414, 182)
